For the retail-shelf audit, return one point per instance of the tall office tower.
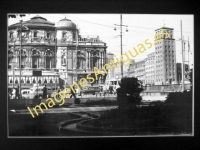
(165, 57)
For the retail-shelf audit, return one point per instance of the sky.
(140, 27)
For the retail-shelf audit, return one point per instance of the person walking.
(9, 94)
(13, 93)
(107, 88)
(104, 90)
(114, 89)
(73, 93)
(44, 91)
(17, 92)
(101, 90)
(111, 89)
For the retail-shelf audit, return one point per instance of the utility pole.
(183, 68)
(76, 54)
(121, 44)
(13, 64)
(20, 57)
(121, 40)
(188, 54)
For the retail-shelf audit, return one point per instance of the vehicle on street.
(90, 90)
(56, 91)
(38, 92)
(25, 93)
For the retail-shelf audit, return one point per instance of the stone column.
(73, 61)
(101, 59)
(66, 60)
(86, 61)
(80, 60)
(89, 62)
(92, 61)
(43, 60)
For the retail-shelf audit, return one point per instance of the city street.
(66, 110)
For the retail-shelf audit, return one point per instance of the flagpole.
(20, 58)
(188, 54)
(76, 53)
(182, 59)
(13, 65)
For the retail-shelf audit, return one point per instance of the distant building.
(165, 55)
(160, 66)
(179, 71)
(111, 73)
(137, 69)
(150, 63)
(131, 69)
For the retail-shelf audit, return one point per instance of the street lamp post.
(20, 30)
(121, 39)
(117, 79)
(56, 80)
(20, 58)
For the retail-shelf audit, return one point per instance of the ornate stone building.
(52, 49)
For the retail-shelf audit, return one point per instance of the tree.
(129, 92)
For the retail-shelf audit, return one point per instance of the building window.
(48, 35)
(34, 34)
(11, 35)
(35, 62)
(63, 34)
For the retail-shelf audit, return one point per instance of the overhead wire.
(144, 33)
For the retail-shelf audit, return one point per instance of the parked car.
(25, 93)
(56, 91)
(38, 92)
(90, 90)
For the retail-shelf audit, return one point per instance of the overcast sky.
(141, 27)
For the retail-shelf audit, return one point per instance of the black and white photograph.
(100, 75)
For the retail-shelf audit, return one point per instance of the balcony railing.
(89, 38)
(28, 85)
(32, 40)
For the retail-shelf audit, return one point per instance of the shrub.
(77, 101)
(100, 102)
(179, 98)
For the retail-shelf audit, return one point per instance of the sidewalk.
(66, 110)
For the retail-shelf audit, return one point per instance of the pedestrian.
(9, 94)
(111, 89)
(44, 91)
(101, 90)
(104, 90)
(17, 92)
(107, 88)
(13, 93)
(73, 93)
(114, 89)
(58, 91)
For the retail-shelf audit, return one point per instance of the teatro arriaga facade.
(60, 52)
